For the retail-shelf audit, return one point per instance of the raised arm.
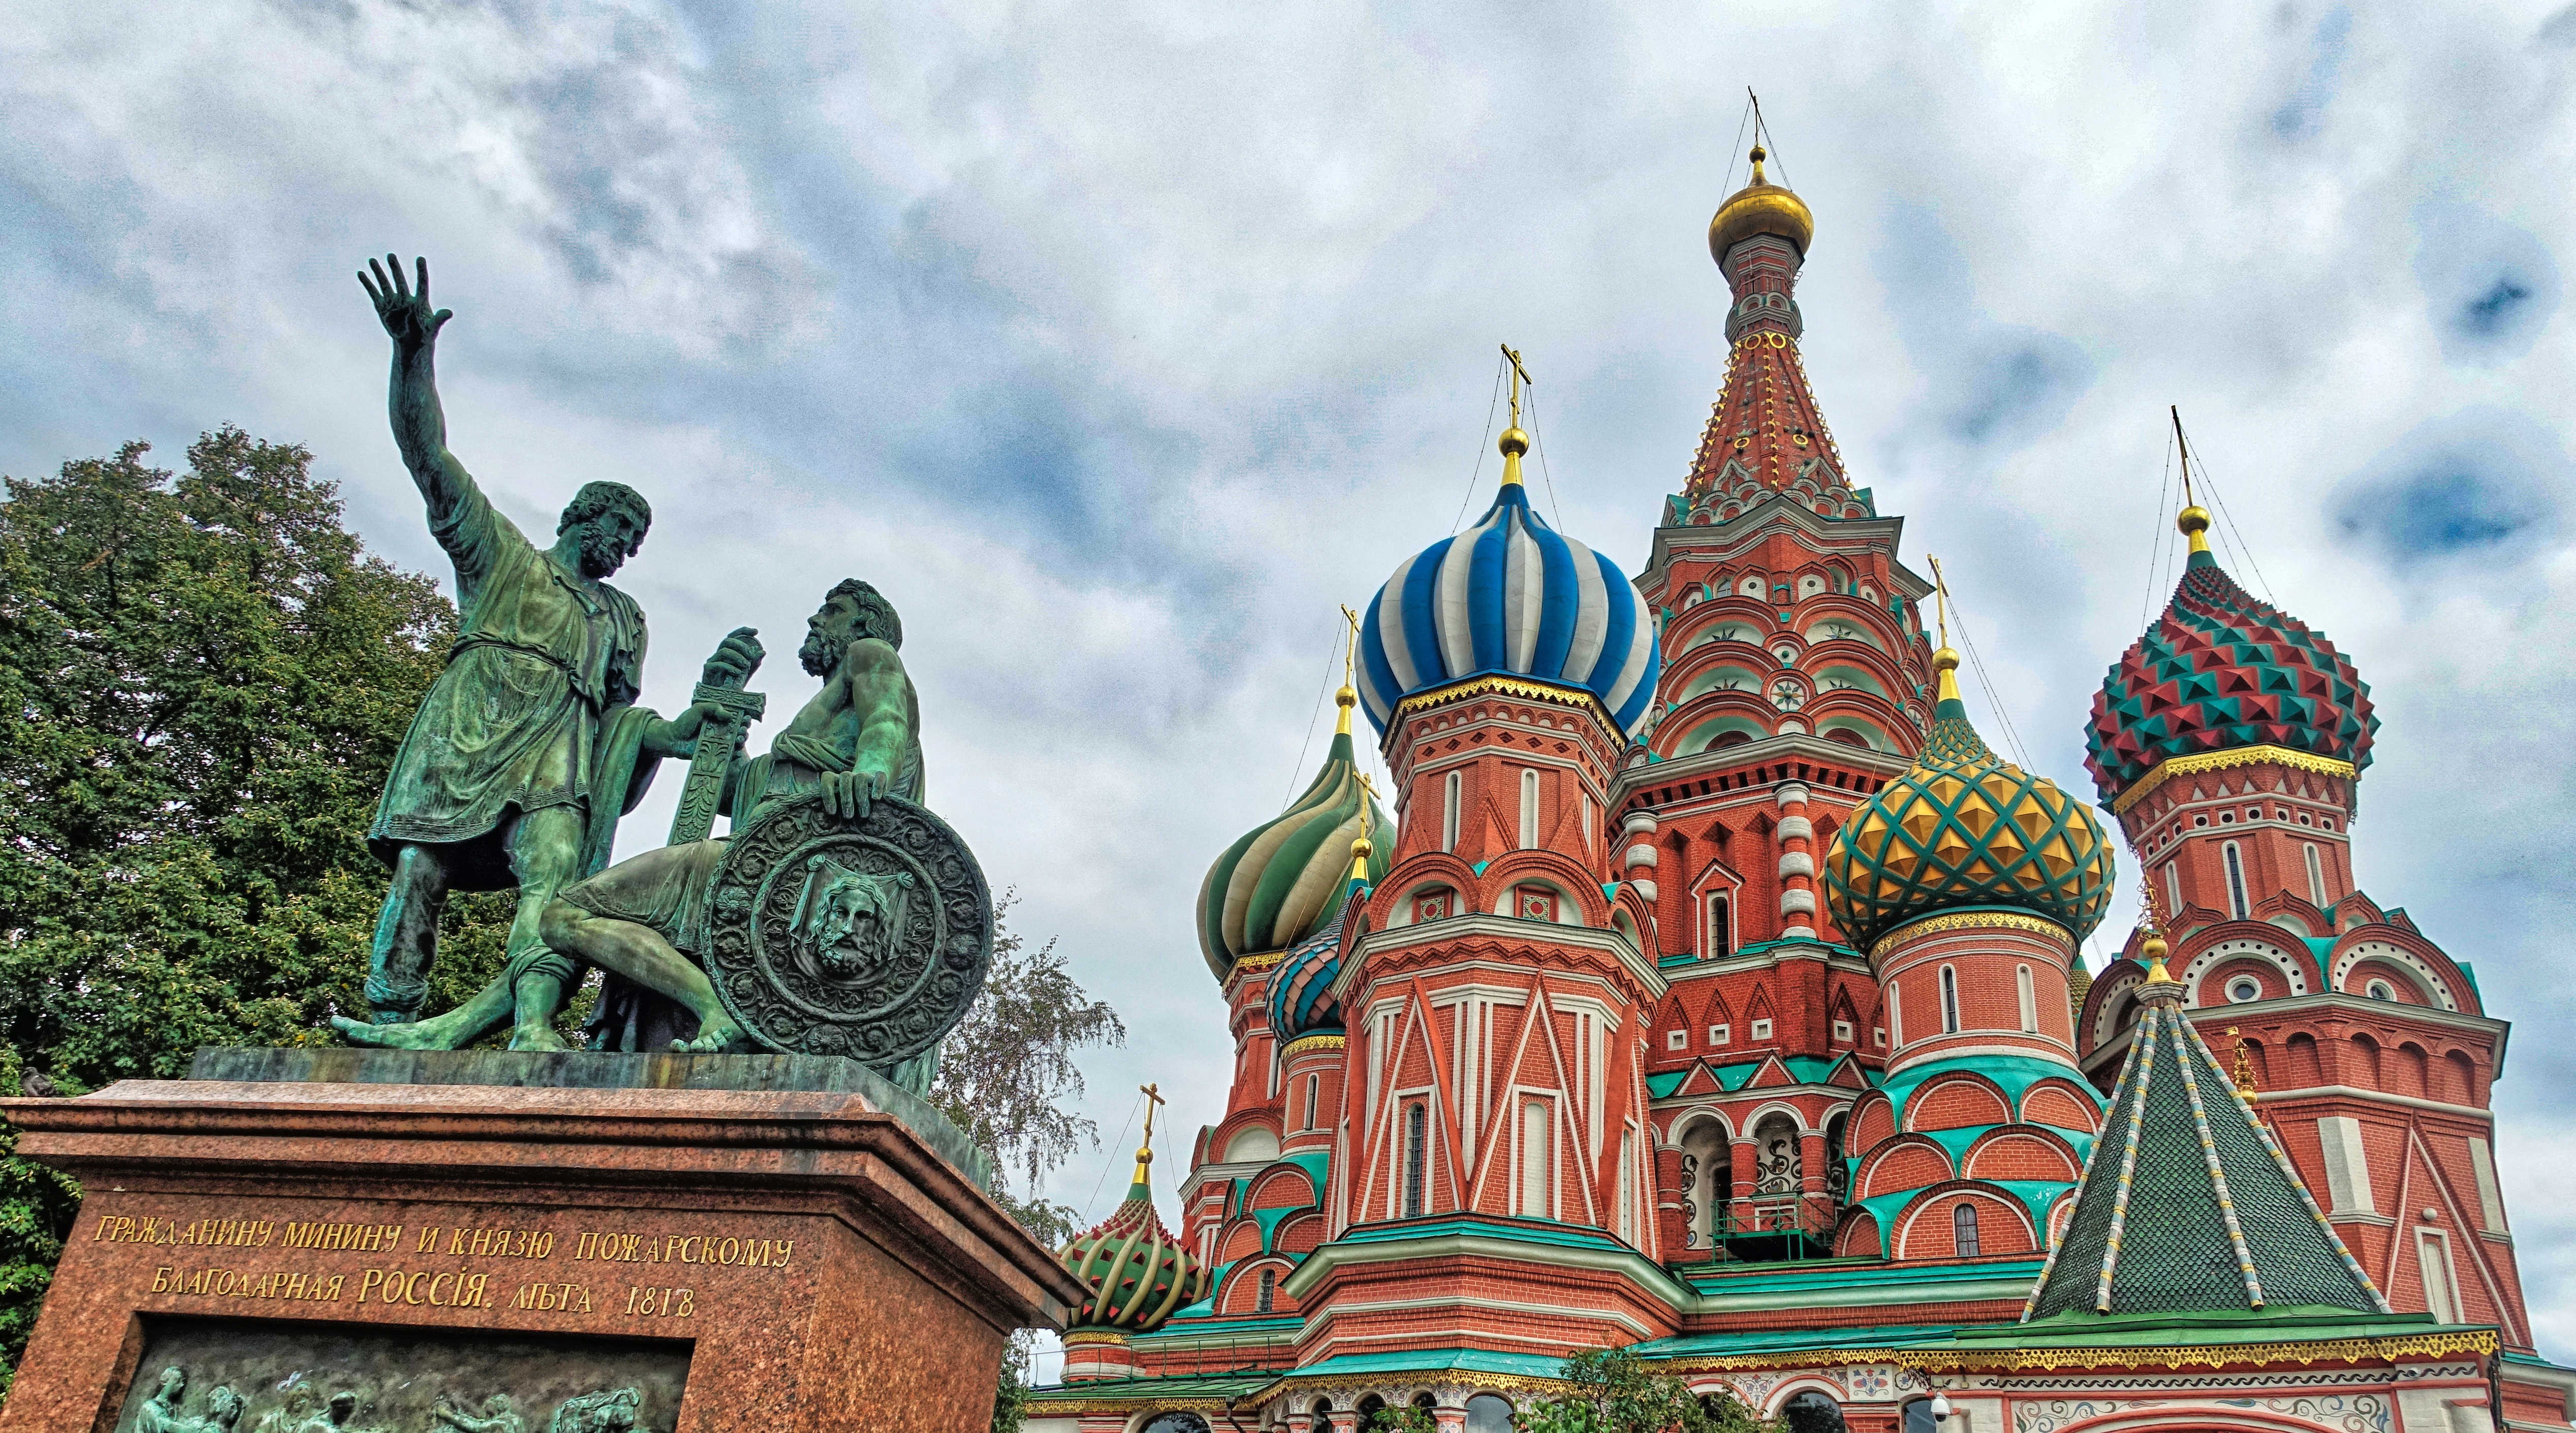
(881, 698)
(420, 426)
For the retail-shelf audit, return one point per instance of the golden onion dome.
(1760, 207)
(1965, 828)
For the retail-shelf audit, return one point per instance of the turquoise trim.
(1284, 1323)
(1709, 1345)
(1471, 1360)
(1839, 1273)
(1480, 867)
(1760, 946)
(1732, 1078)
(1566, 1236)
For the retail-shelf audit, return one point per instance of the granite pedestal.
(521, 1243)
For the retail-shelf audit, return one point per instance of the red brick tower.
(2229, 741)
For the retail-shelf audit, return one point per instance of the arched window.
(2316, 876)
(1812, 1412)
(2029, 1000)
(1918, 1417)
(1963, 1229)
(1314, 1091)
(1949, 1000)
(1721, 928)
(1489, 1413)
(1529, 808)
(2236, 905)
(1449, 812)
(1413, 1130)
(1268, 1291)
(1175, 1423)
(1627, 1186)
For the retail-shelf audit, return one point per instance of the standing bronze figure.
(530, 745)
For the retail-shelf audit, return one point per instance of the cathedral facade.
(1713, 990)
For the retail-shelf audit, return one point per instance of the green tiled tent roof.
(2188, 1204)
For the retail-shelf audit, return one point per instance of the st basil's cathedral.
(1714, 991)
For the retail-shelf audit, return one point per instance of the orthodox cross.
(1153, 1096)
(1520, 376)
(1940, 598)
(2182, 447)
(1351, 650)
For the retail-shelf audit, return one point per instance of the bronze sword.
(726, 726)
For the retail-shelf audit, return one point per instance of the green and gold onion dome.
(1760, 207)
(1286, 877)
(1965, 828)
(1133, 1272)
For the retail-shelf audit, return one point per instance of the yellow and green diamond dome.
(1965, 828)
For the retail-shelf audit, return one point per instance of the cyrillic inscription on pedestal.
(209, 1375)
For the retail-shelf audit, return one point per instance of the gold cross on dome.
(1153, 1096)
(1520, 376)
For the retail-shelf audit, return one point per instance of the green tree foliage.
(1008, 1078)
(203, 678)
(1402, 1418)
(1614, 1391)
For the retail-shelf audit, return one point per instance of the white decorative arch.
(2433, 984)
(2243, 947)
(1691, 1119)
(1754, 1120)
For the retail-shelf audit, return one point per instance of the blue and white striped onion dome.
(1301, 989)
(1511, 597)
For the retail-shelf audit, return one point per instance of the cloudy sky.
(1122, 341)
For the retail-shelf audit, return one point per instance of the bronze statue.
(529, 746)
(647, 920)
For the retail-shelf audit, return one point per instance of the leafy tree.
(1614, 1391)
(202, 681)
(1402, 1418)
(1008, 1078)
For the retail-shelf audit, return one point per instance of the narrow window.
(2235, 883)
(1314, 1090)
(2316, 877)
(1529, 810)
(1449, 813)
(1963, 1229)
(1949, 1000)
(2029, 1000)
(2173, 890)
(1587, 821)
(1269, 1290)
(1413, 1121)
(2441, 1296)
(1895, 1013)
(1627, 1186)
(1538, 1159)
(1721, 930)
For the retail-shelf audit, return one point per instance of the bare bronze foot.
(438, 1034)
(716, 1036)
(537, 1037)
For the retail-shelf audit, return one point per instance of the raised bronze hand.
(735, 659)
(405, 313)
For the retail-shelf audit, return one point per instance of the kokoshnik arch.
(1716, 991)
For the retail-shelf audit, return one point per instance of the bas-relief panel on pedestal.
(229, 1376)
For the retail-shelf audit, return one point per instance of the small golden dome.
(1760, 207)
(2152, 952)
(1513, 443)
(2193, 520)
(1361, 847)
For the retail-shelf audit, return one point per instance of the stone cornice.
(1970, 920)
(1781, 510)
(1648, 1276)
(1629, 780)
(2373, 1011)
(1456, 929)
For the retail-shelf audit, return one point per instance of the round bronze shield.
(860, 938)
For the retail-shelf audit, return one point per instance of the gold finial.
(2153, 949)
(2244, 1067)
(1361, 846)
(1945, 659)
(1348, 697)
(1759, 154)
(1145, 1152)
(2193, 520)
(1514, 442)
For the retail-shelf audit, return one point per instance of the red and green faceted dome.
(2223, 669)
(1134, 1273)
